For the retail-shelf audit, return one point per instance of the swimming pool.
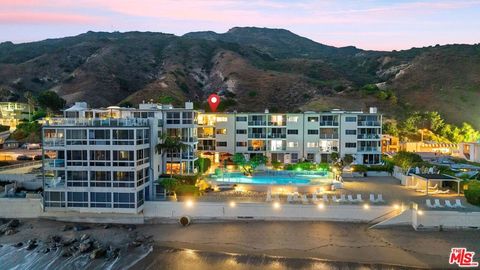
(275, 178)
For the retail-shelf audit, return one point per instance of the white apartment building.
(290, 137)
(105, 160)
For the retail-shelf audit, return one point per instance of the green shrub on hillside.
(472, 192)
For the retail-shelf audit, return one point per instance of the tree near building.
(170, 145)
(51, 100)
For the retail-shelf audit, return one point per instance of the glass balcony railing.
(257, 135)
(277, 124)
(55, 163)
(329, 123)
(328, 136)
(277, 136)
(368, 136)
(368, 123)
(53, 142)
(368, 149)
(206, 148)
(257, 123)
(52, 182)
(251, 148)
(98, 122)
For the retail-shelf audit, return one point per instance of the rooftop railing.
(97, 122)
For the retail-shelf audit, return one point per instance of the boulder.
(85, 247)
(31, 244)
(17, 245)
(78, 227)
(66, 227)
(10, 231)
(84, 237)
(98, 253)
(68, 242)
(55, 238)
(14, 223)
(46, 250)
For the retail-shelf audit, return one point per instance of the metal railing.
(277, 136)
(21, 165)
(328, 123)
(368, 136)
(52, 142)
(250, 148)
(55, 163)
(257, 123)
(328, 136)
(368, 123)
(257, 135)
(97, 122)
(368, 149)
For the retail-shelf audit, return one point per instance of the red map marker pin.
(213, 101)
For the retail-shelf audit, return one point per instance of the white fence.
(405, 179)
(446, 219)
(263, 211)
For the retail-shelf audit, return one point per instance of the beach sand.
(331, 241)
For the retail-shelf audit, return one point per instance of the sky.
(366, 24)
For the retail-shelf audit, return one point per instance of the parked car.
(39, 157)
(24, 157)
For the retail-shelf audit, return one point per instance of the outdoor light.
(321, 206)
(420, 212)
(396, 206)
(232, 204)
(366, 206)
(276, 205)
(189, 203)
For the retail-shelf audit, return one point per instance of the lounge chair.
(342, 199)
(269, 197)
(304, 199)
(295, 197)
(372, 198)
(351, 199)
(289, 198)
(414, 186)
(335, 199)
(434, 187)
(443, 191)
(449, 204)
(380, 198)
(359, 198)
(458, 204)
(325, 198)
(437, 204)
(429, 203)
(314, 197)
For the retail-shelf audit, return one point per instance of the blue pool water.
(275, 178)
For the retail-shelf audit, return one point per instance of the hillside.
(252, 68)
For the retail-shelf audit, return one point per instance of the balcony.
(368, 136)
(277, 136)
(52, 182)
(368, 123)
(98, 122)
(55, 163)
(53, 142)
(257, 135)
(328, 136)
(251, 148)
(189, 139)
(206, 148)
(328, 123)
(206, 136)
(329, 149)
(277, 124)
(189, 155)
(257, 123)
(368, 149)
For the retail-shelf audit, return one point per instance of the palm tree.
(170, 144)
(31, 103)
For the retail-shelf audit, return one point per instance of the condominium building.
(12, 113)
(290, 137)
(105, 160)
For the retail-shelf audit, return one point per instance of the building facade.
(291, 137)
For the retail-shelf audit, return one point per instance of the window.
(123, 200)
(77, 178)
(292, 119)
(142, 176)
(123, 137)
(310, 156)
(187, 118)
(241, 131)
(277, 145)
(77, 199)
(221, 131)
(173, 118)
(292, 131)
(100, 158)
(76, 137)
(100, 199)
(350, 132)
(292, 144)
(350, 145)
(242, 144)
(350, 119)
(123, 179)
(100, 179)
(312, 144)
(54, 199)
(222, 144)
(241, 119)
(140, 198)
(77, 158)
(222, 119)
(294, 157)
(312, 119)
(313, 132)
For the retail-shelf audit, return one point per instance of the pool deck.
(391, 189)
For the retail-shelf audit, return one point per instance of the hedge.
(472, 192)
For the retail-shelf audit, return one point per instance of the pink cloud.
(25, 17)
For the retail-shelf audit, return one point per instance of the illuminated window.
(221, 131)
(292, 144)
(292, 119)
(312, 144)
(222, 119)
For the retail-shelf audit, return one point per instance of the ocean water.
(21, 258)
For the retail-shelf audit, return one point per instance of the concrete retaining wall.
(378, 173)
(20, 208)
(263, 211)
(446, 219)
